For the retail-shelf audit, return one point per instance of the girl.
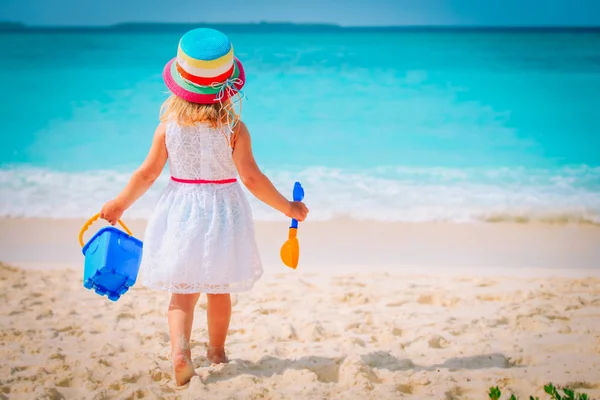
(200, 237)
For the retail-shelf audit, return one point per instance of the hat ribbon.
(228, 87)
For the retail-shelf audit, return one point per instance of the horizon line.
(24, 26)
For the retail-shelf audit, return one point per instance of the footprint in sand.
(312, 332)
(438, 342)
(485, 283)
(240, 331)
(73, 331)
(14, 370)
(104, 362)
(352, 326)
(288, 333)
(125, 315)
(353, 373)
(154, 313)
(353, 299)
(57, 356)
(319, 369)
(49, 394)
(456, 393)
(45, 314)
(557, 318)
(426, 299)
(492, 298)
(116, 386)
(64, 381)
(157, 375)
(437, 300)
(130, 378)
(532, 322)
(494, 323)
(354, 341)
(34, 303)
(396, 304)
(267, 311)
(405, 388)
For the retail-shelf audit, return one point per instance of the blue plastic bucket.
(112, 260)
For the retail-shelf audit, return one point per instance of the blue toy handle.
(298, 195)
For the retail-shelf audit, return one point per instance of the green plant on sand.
(568, 394)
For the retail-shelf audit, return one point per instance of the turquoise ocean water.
(408, 126)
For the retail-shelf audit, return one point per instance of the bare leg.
(219, 314)
(181, 318)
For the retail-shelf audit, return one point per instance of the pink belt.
(201, 181)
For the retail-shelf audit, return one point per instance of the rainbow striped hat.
(205, 70)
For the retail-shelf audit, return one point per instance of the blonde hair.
(186, 113)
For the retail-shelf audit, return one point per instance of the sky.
(342, 12)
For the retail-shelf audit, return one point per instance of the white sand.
(375, 311)
(302, 335)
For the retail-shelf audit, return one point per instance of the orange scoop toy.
(290, 251)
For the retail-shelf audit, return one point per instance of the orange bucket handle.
(94, 219)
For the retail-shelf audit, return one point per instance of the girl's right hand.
(297, 210)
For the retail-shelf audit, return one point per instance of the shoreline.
(350, 245)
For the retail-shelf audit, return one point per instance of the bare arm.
(141, 179)
(257, 182)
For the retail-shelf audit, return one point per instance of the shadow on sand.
(328, 369)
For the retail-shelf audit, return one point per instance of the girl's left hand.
(112, 211)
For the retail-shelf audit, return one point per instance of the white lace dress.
(200, 237)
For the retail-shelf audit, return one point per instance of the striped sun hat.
(205, 70)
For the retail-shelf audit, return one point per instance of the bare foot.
(183, 369)
(216, 355)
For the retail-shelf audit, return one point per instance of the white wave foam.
(385, 194)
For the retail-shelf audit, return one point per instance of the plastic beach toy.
(112, 260)
(290, 251)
